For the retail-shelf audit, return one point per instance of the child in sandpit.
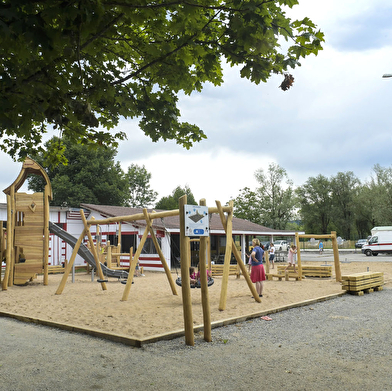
(292, 257)
(198, 273)
(192, 275)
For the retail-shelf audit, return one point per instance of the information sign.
(196, 220)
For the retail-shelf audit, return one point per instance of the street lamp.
(385, 75)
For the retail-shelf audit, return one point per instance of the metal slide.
(85, 253)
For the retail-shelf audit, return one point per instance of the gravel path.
(341, 344)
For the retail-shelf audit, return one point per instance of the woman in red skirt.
(257, 275)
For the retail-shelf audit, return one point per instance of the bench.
(360, 283)
(282, 274)
(312, 271)
(217, 270)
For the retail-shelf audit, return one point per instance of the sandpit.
(152, 309)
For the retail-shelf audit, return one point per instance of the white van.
(380, 242)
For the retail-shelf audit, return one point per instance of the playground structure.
(185, 260)
(26, 242)
(298, 275)
(27, 239)
(28, 236)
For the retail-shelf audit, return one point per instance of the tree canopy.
(171, 202)
(82, 65)
(272, 203)
(140, 194)
(91, 175)
(88, 175)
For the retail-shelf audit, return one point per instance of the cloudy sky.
(336, 117)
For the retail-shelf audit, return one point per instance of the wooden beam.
(307, 236)
(298, 256)
(228, 251)
(153, 215)
(94, 251)
(132, 266)
(70, 263)
(204, 284)
(238, 258)
(336, 256)
(47, 195)
(160, 253)
(185, 278)
(9, 245)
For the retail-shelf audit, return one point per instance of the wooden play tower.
(27, 229)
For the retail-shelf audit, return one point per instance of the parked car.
(281, 245)
(360, 243)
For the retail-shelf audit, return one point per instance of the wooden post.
(132, 266)
(226, 264)
(204, 284)
(119, 238)
(47, 193)
(336, 257)
(267, 263)
(185, 278)
(94, 250)
(108, 254)
(68, 267)
(12, 236)
(160, 253)
(209, 252)
(239, 259)
(298, 256)
(9, 245)
(130, 258)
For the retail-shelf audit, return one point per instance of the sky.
(335, 118)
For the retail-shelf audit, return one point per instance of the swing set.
(185, 260)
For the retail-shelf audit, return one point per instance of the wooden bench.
(217, 270)
(271, 276)
(282, 275)
(360, 283)
(312, 271)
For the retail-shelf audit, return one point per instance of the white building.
(167, 231)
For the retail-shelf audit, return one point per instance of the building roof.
(172, 224)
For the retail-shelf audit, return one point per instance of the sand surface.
(151, 308)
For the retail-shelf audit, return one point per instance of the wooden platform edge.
(139, 342)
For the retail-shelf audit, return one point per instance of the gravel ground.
(341, 344)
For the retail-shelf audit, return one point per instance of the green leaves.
(81, 66)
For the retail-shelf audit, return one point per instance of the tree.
(140, 194)
(344, 188)
(171, 202)
(380, 186)
(80, 66)
(89, 175)
(315, 202)
(271, 204)
(276, 196)
(247, 205)
(363, 212)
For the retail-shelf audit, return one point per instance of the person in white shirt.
(272, 255)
